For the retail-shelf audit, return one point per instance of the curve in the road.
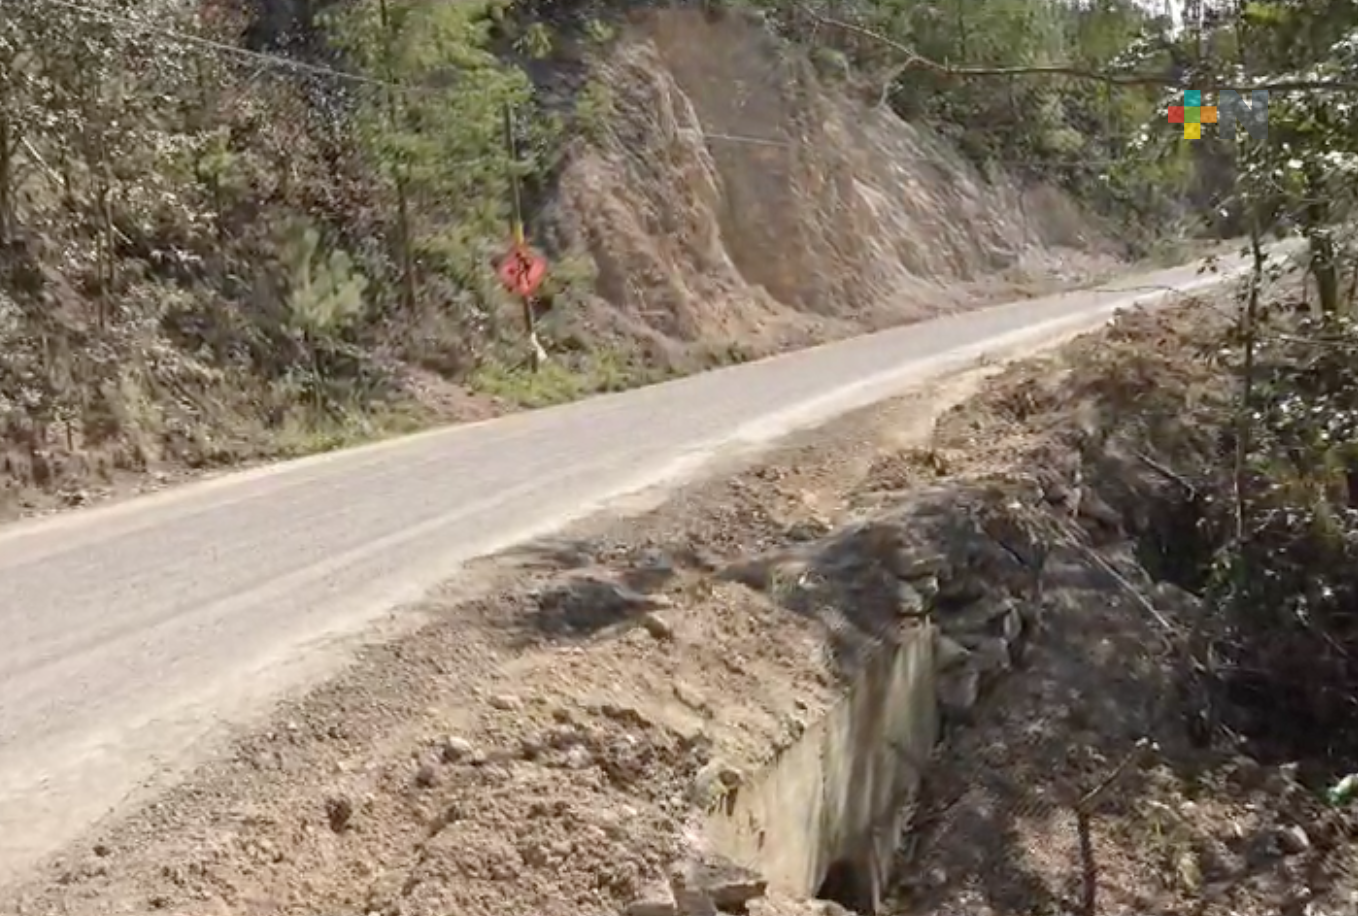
(132, 632)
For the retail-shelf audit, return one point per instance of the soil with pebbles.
(1088, 782)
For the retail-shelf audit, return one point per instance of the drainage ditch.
(933, 602)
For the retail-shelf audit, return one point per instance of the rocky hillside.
(736, 199)
(211, 255)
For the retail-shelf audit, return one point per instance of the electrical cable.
(274, 60)
(288, 63)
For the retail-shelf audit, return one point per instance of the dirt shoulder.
(543, 748)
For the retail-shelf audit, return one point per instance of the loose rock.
(578, 758)
(531, 748)
(909, 602)
(657, 626)
(959, 690)
(990, 654)
(983, 614)
(917, 563)
(693, 901)
(655, 899)
(457, 749)
(728, 885)
(948, 652)
(1011, 627)
(1092, 507)
(426, 776)
(1283, 780)
(339, 812)
(807, 530)
(714, 781)
(1247, 772)
(1060, 494)
(506, 702)
(927, 586)
(1188, 871)
(653, 560)
(1293, 840)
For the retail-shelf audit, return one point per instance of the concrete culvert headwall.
(925, 607)
(826, 810)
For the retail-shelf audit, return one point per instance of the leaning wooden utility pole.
(522, 269)
(404, 240)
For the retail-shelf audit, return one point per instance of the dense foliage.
(1284, 520)
(1099, 138)
(252, 199)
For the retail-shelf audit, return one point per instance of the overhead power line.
(272, 60)
(935, 160)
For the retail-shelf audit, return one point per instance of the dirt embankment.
(736, 199)
(544, 750)
(1099, 777)
(727, 202)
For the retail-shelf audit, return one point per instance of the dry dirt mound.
(537, 752)
(736, 198)
(1091, 781)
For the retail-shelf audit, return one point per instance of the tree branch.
(915, 61)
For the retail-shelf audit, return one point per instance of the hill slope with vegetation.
(249, 229)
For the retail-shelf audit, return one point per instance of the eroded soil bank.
(558, 744)
(1109, 774)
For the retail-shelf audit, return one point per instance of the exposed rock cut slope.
(736, 198)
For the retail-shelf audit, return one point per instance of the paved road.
(132, 632)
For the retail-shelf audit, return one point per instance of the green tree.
(434, 129)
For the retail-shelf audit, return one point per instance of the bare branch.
(916, 61)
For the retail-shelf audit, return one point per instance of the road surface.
(134, 633)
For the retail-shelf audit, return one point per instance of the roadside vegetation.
(1255, 446)
(1274, 511)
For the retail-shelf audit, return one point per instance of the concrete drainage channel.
(822, 821)
(940, 596)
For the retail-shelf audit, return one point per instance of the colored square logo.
(1192, 114)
